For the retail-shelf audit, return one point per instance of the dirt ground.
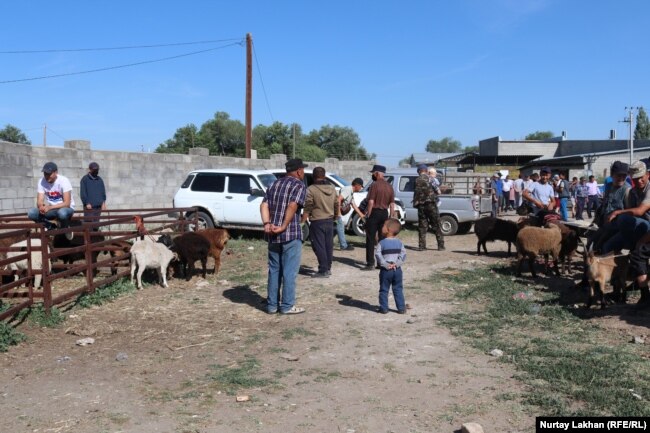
(165, 360)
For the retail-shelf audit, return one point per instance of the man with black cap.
(425, 200)
(93, 194)
(53, 199)
(381, 206)
(541, 193)
(280, 212)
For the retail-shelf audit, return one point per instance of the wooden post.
(249, 94)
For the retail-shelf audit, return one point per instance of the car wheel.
(464, 228)
(205, 222)
(357, 227)
(448, 225)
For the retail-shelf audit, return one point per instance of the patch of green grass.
(39, 317)
(290, 333)
(244, 375)
(108, 293)
(9, 337)
(327, 376)
(571, 368)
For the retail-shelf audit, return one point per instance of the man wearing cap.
(346, 200)
(53, 199)
(280, 212)
(93, 194)
(381, 206)
(616, 198)
(541, 194)
(425, 199)
(633, 222)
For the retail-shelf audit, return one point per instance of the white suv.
(228, 198)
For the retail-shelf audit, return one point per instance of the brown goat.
(602, 270)
(218, 239)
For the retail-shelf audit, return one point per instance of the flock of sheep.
(561, 243)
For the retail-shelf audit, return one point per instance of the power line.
(268, 106)
(117, 67)
(56, 133)
(128, 47)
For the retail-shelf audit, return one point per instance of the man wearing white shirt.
(53, 199)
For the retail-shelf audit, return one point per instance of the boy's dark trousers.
(321, 233)
(374, 225)
(388, 278)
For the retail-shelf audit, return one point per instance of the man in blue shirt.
(281, 218)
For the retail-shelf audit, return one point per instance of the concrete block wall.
(133, 179)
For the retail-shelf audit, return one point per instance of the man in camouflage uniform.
(424, 199)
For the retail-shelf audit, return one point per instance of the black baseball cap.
(294, 164)
(49, 167)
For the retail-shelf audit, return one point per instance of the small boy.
(390, 255)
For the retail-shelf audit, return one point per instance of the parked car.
(228, 198)
(457, 211)
(352, 221)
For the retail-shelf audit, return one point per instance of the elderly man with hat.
(93, 194)
(425, 199)
(381, 206)
(53, 199)
(280, 210)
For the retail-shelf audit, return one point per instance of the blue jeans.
(284, 262)
(563, 208)
(386, 280)
(629, 229)
(63, 214)
(340, 232)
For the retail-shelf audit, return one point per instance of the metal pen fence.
(109, 233)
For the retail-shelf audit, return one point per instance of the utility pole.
(249, 93)
(629, 119)
(45, 135)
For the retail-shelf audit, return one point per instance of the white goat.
(150, 255)
(23, 265)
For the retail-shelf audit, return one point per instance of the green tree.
(540, 135)
(223, 136)
(642, 130)
(184, 139)
(445, 145)
(13, 135)
(338, 142)
(468, 149)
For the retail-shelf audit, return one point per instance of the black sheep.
(60, 241)
(191, 247)
(493, 229)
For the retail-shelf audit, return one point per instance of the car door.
(405, 189)
(239, 205)
(208, 189)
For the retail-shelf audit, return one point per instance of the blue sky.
(398, 73)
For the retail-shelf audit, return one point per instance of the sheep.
(492, 229)
(191, 247)
(603, 269)
(118, 251)
(146, 254)
(533, 241)
(569, 246)
(60, 241)
(218, 239)
(23, 265)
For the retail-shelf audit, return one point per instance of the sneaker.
(368, 268)
(294, 310)
(381, 311)
(69, 236)
(348, 248)
(321, 275)
(401, 311)
(272, 311)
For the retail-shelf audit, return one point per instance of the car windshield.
(340, 179)
(267, 180)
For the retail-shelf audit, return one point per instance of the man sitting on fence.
(53, 199)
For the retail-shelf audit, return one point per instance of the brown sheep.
(218, 239)
(603, 269)
(569, 245)
(533, 241)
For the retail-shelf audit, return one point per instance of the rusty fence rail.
(109, 233)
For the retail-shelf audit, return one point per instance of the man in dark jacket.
(425, 200)
(321, 209)
(93, 194)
